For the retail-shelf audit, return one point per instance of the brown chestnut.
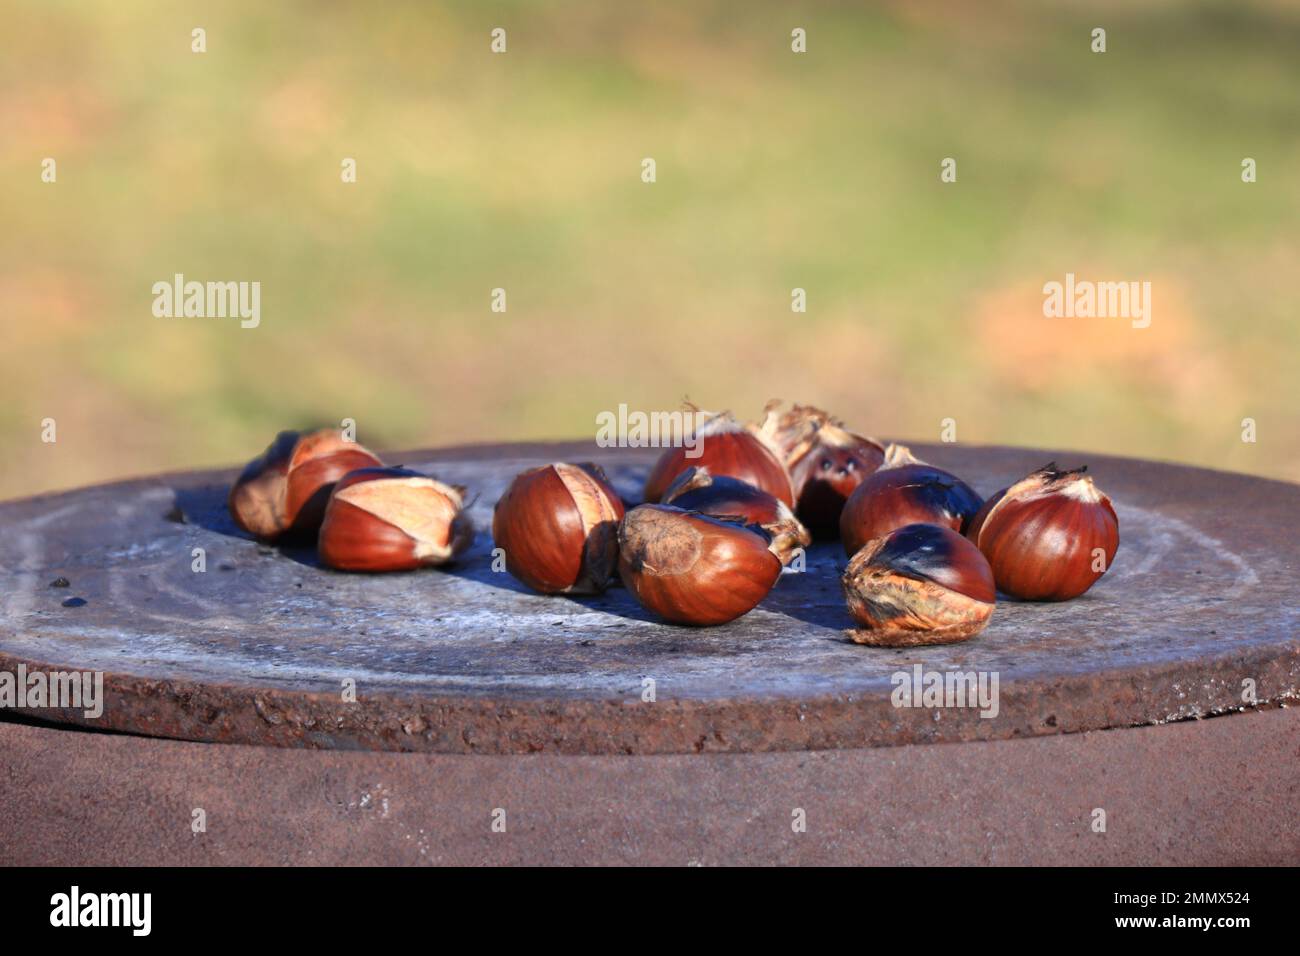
(721, 497)
(558, 527)
(919, 584)
(286, 489)
(1050, 536)
(693, 569)
(902, 492)
(826, 462)
(725, 447)
(393, 519)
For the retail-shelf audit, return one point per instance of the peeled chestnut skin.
(734, 454)
(903, 494)
(693, 569)
(558, 527)
(1041, 535)
(284, 491)
(730, 498)
(919, 584)
(393, 519)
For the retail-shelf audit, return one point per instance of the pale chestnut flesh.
(392, 519)
(693, 569)
(920, 584)
(285, 490)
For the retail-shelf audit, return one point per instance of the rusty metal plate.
(1201, 597)
(1193, 793)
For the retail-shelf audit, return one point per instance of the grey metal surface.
(1202, 596)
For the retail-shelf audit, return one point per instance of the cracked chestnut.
(690, 568)
(1050, 536)
(919, 584)
(285, 490)
(558, 527)
(725, 447)
(721, 497)
(905, 491)
(393, 519)
(826, 462)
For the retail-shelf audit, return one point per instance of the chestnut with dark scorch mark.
(730, 498)
(905, 491)
(727, 448)
(920, 584)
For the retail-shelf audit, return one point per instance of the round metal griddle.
(258, 648)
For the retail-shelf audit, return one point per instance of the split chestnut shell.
(284, 491)
(919, 584)
(826, 462)
(725, 447)
(393, 519)
(558, 527)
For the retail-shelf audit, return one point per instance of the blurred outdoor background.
(523, 171)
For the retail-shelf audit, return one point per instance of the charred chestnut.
(919, 584)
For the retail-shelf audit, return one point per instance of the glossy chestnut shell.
(393, 519)
(285, 490)
(919, 584)
(728, 449)
(1048, 537)
(905, 491)
(558, 527)
(693, 569)
(730, 498)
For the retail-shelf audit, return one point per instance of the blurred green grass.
(775, 170)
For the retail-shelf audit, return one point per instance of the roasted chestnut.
(902, 492)
(725, 447)
(721, 497)
(919, 584)
(693, 569)
(1050, 536)
(393, 519)
(558, 527)
(285, 490)
(825, 461)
